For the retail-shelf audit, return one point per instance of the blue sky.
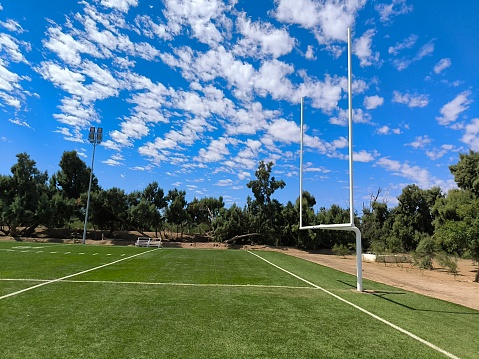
(194, 93)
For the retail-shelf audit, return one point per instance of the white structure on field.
(339, 226)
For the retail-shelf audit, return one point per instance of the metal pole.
(359, 250)
(350, 119)
(301, 169)
(88, 197)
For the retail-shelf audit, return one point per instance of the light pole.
(95, 137)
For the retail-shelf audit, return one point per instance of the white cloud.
(111, 162)
(451, 111)
(364, 156)
(418, 175)
(419, 142)
(359, 116)
(284, 131)
(271, 79)
(410, 100)
(436, 153)
(310, 53)
(202, 17)
(20, 123)
(325, 94)
(262, 38)
(215, 152)
(388, 11)
(442, 65)
(405, 44)
(12, 25)
(362, 49)
(68, 48)
(404, 63)
(328, 19)
(372, 102)
(470, 136)
(386, 130)
(224, 183)
(121, 5)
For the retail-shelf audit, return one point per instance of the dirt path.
(435, 283)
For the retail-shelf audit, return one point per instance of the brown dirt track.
(437, 283)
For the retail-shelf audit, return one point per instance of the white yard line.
(160, 283)
(404, 331)
(71, 275)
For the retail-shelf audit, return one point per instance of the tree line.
(425, 221)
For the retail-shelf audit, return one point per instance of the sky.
(193, 94)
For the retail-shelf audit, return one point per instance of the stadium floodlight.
(95, 137)
(338, 226)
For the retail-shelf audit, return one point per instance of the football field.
(88, 301)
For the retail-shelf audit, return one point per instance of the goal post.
(337, 226)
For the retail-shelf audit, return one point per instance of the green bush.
(425, 252)
(340, 250)
(449, 262)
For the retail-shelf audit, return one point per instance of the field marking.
(173, 284)
(72, 275)
(404, 331)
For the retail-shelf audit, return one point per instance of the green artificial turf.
(192, 303)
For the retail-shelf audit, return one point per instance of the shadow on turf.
(382, 294)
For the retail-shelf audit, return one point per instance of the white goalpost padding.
(339, 226)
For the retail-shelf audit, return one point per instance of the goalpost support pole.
(340, 226)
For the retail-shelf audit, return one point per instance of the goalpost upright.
(338, 226)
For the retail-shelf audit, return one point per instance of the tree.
(374, 227)
(74, 176)
(144, 215)
(413, 215)
(466, 171)
(335, 214)
(176, 212)
(291, 234)
(231, 223)
(457, 224)
(266, 211)
(263, 186)
(155, 196)
(202, 212)
(21, 193)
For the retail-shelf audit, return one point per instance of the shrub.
(449, 262)
(424, 253)
(340, 250)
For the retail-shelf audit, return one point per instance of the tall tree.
(291, 234)
(413, 215)
(154, 196)
(176, 212)
(22, 192)
(266, 211)
(74, 176)
(466, 171)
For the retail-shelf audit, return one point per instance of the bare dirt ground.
(437, 283)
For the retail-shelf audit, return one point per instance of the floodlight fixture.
(95, 137)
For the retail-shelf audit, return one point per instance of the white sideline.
(70, 275)
(404, 331)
